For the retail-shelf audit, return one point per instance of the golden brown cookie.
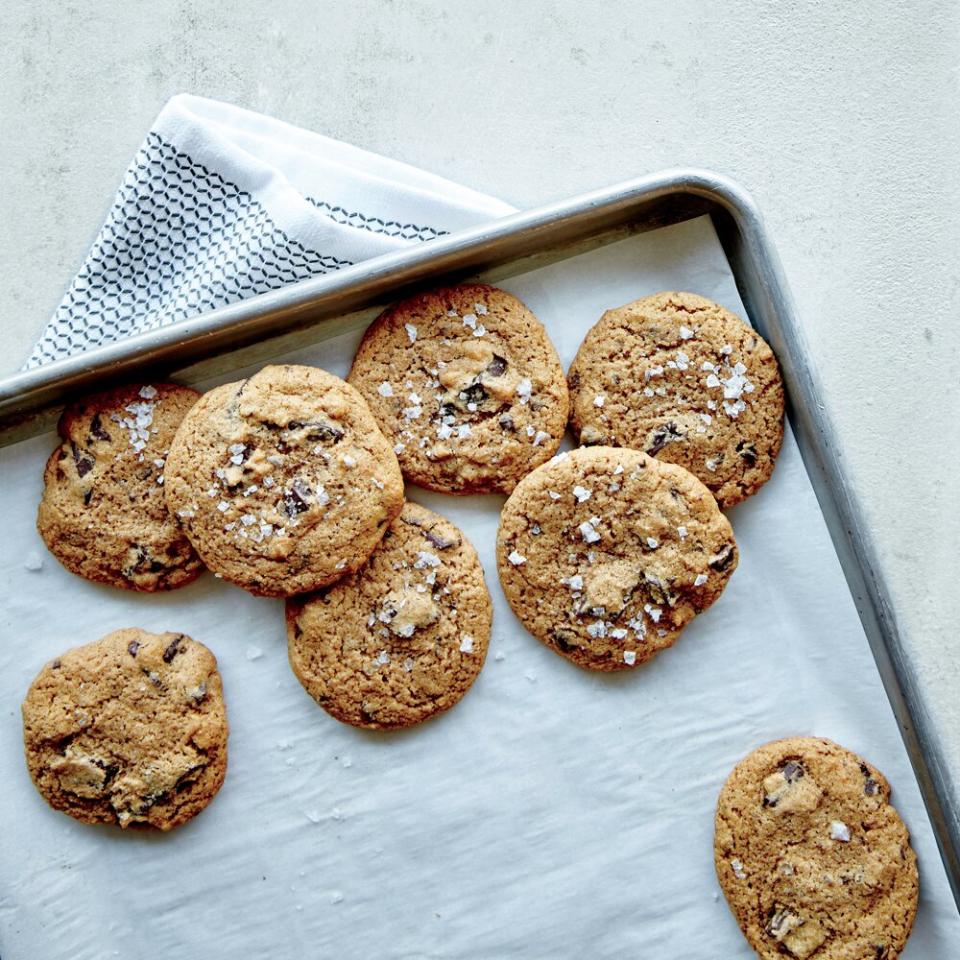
(686, 381)
(467, 386)
(282, 481)
(130, 729)
(103, 514)
(405, 636)
(811, 856)
(606, 554)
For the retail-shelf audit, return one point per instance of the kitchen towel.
(221, 203)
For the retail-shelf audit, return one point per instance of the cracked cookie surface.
(606, 554)
(811, 855)
(130, 729)
(103, 514)
(405, 636)
(282, 481)
(685, 380)
(466, 384)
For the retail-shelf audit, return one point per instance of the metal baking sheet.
(420, 845)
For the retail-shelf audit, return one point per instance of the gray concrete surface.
(840, 118)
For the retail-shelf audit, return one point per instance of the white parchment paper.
(554, 813)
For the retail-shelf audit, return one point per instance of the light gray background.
(840, 118)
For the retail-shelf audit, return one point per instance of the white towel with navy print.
(221, 203)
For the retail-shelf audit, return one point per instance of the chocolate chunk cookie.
(282, 482)
(466, 385)
(405, 636)
(811, 856)
(687, 381)
(130, 729)
(606, 554)
(103, 514)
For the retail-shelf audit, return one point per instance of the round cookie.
(686, 381)
(282, 481)
(130, 730)
(811, 856)
(466, 384)
(606, 554)
(103, 514)
(404, 637)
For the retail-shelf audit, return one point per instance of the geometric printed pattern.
(390, 228)
(180, 239)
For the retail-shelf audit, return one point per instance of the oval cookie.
(811, 856)
(686, 381)
(103, 514)
(129, 730)
(606, 554)
(282, 482)
(467, 386)
(405, 636)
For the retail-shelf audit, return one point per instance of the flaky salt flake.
(839, 831)
(336, 897)
(711, 464)
(223, 506)
(738, 870)
(618, 469)
(706, 418)
(411, 413)
(524, 389)
(500, 656)
(582, 493)
(726, 349)
(588, 532)
(247, 520)
(444, 431)
(574, 583)
(685, 333)
(411, 332)
(148, 392)
(713, 380)
(629, 657)
(654, 612)
(648, 392)
(708, 366)
(553, 494)
(34, 562)
(618, 633)
(408, 664)
(313, 816)
(541, 436)
(348, 461)
(653, 543)
(464, 431)
(599, 401)
(398, 448)
(682, 532)
(385, 390)
(700, 580)
(254, 653)
(382, 658)
(466, 643)
(480, 309)
(426, 559)
(469, 320)
(516, 558)
(597, 629)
